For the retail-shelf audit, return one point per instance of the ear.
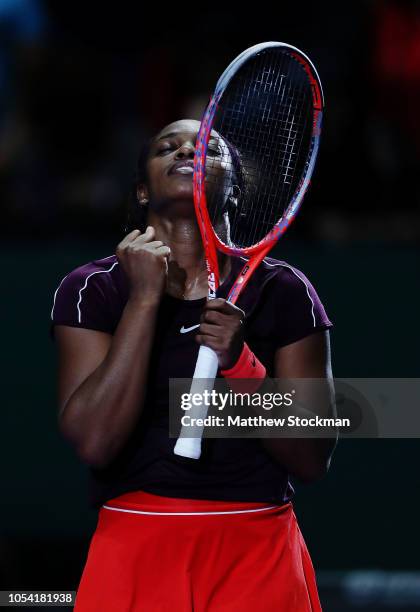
(234, 195)
(236, 192)
(142, 194)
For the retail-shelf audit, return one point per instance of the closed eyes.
(212, 150)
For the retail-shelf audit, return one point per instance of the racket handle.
(204, 375)
(206, 366)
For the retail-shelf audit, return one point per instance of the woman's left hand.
(222, 329)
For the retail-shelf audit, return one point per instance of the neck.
(187, 272)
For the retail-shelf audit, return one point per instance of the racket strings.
(264, 127)
(281, 154)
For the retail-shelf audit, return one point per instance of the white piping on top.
(285, 265)
(188, 513)
(79, 314)
(273, 265)
(55, 295)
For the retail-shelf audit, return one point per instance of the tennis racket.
(254, 157)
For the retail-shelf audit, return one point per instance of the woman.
(178, 534)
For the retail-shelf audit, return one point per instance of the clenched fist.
(145, 263)
(221, 329)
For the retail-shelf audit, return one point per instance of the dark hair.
(137, 213)
(236, 207)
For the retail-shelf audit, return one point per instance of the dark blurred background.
(81, 85)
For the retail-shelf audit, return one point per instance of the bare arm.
(309, 358)
(102, 378)
(101, 393)
(306, 458)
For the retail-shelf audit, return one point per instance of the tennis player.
(174, 534)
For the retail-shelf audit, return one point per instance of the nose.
(186, 150)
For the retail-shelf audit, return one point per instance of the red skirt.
(158, 554)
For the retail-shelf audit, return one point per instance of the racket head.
(265, 116)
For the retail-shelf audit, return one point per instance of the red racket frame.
(211, 242)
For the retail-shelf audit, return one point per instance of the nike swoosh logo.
(185, 330)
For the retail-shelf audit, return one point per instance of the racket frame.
(206, 366)
(211, 241)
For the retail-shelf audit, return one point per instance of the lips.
(185, 166)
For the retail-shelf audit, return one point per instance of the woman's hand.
(145, 262)
(222, 330)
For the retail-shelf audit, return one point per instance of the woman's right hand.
(145, 263)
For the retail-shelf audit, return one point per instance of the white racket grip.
(206, 366)
(204, 375)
